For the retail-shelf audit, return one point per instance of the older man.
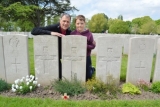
(60, 29)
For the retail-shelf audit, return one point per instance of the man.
(60, 29)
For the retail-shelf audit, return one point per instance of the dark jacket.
(48, 29)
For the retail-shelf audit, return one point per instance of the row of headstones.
(28, 34)
(125, 38)
(15, 62)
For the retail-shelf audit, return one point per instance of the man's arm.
(43, 30)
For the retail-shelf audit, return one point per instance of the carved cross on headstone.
(15, 63)
(73, 57)
(140, 67)
(108, 60)
(46, 58)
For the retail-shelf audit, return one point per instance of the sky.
(129, 9)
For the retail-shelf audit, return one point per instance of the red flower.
(65, 96)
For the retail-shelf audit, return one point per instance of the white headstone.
(126, 43)
(74, 57)
(140, 59)
(108, 61)
(2, 68)
(46, 58)
(156, 76)
(16, 57)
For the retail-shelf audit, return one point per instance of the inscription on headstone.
(74, 57)
(46, 58)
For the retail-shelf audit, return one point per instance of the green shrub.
(104, 91)
(155, 87)
(130, 88)
(73, 87)
(25, 85)
(95, 86)
(4, 85)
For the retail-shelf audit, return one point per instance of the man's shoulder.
(57, 25)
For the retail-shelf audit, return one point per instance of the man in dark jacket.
(60, 29)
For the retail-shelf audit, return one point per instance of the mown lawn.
(37, 102)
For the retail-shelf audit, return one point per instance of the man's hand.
(57, 34)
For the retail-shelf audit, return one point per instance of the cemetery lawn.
(37, 102)
(47, 97)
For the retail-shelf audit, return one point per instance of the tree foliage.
(157, 22)
(33, 11)
(120, 17)
(158, 29)
(119, 27)
(98, 23)
(148, 28)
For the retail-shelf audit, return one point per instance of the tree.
(157, 22)
(135, 29)
(98, 23)
(158, 29)
(148, 28)
(120, 17)
(119, 27)
(40, 9)
(138, 22)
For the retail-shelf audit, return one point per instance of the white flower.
(17, 81)
(20, 87)
(35, 82)
(27, 83)
(17, 86)
(36, 78)
(27, 76)
(38, 85)
(13, 89)
(12, 85)
(21, 80)
(27, 79)
(30, 80)
(30, 87)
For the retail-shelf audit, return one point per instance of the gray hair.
(65, 14)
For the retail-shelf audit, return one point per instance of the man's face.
(65, 22)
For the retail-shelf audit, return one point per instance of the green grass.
(37, 102)
(31, 56)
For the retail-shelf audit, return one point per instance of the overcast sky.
(129, 9)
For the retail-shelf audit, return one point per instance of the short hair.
(80, 17)
(65, 14)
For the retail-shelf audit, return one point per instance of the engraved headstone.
(140, 59)
(16, 57)
(126, 43)
(108, 61)
(46, 58)
(74, 57)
